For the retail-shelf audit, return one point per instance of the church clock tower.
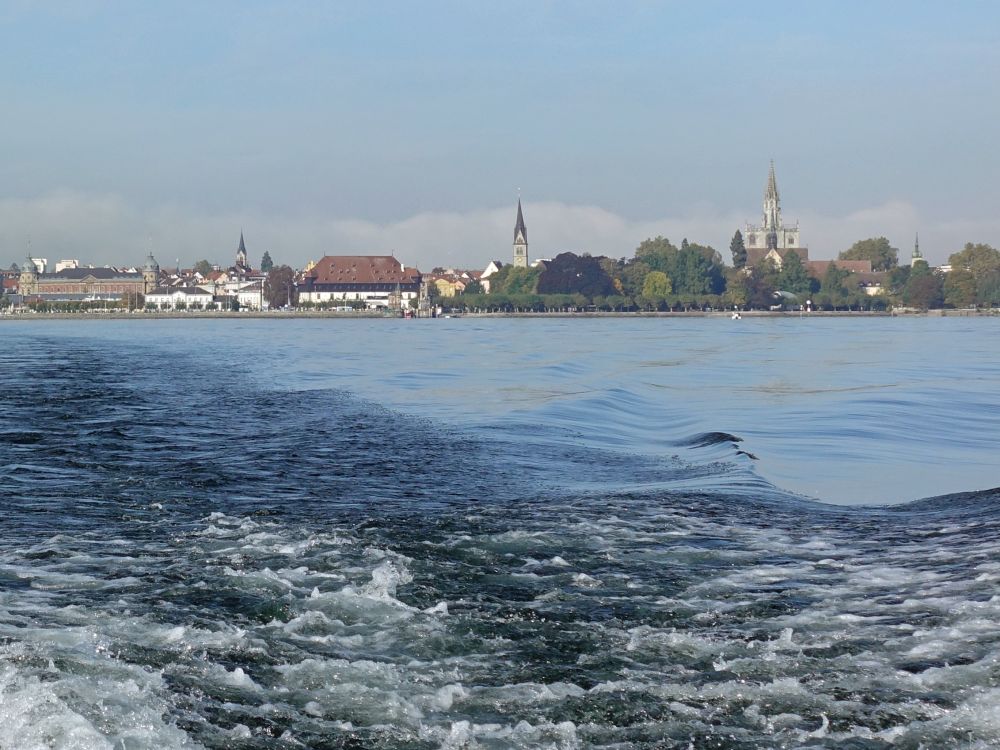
(520, 240)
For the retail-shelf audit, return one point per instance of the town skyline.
(389, 129)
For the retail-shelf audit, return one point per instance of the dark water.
(388, 534)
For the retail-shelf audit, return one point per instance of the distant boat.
(737, 316)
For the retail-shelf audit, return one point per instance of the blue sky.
(409, 127)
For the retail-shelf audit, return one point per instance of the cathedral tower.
(520, 240)
(772, 233)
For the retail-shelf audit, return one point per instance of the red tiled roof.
(361, 269)
(818, 267)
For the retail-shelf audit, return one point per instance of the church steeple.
(520, 239)
(241, 252)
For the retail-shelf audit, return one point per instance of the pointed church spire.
(520, 239)
(771, 191)
(241, 253)
(519, 227)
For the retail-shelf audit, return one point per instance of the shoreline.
(304, 315)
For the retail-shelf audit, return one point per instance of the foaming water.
(206, 550)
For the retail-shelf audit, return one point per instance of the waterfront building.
(379, 281)
(772, 236)
(80, 283)
(520, 239)
(180, 298)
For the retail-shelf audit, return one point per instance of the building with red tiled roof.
(377, 280)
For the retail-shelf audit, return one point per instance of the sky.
(411, 127)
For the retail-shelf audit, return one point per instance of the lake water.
(492, 533)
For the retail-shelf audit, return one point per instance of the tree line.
(661, 276)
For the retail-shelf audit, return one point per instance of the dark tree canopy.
(266, 264)
(738, 250)
(569, 273)
(279, 287)
(876, 249)
(793, 276)
(203, 267)
(924, 290)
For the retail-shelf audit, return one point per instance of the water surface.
(499, 533)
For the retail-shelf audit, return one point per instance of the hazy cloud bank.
(101, 229)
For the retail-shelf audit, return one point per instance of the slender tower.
(772, 210)
(520, 239)
(241, 253)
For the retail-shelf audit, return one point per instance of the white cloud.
(100, 229)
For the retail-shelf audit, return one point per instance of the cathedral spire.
(519, 227)
(771, 191)
(772, 207)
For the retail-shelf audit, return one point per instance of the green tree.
(266, 264)
(988, 289)
(736, 288)
(979, 259)
(959, 288)
(793, 276)
(832, 290)
(511, 280)
(738, 250)
(474, 287)
(657, 253)
(656, 285)
(203, 267)
(876, 249)
(897, 278)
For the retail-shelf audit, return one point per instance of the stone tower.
(27, 283)
(520, 240)
(150, 274)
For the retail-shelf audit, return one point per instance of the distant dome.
(151, 264)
